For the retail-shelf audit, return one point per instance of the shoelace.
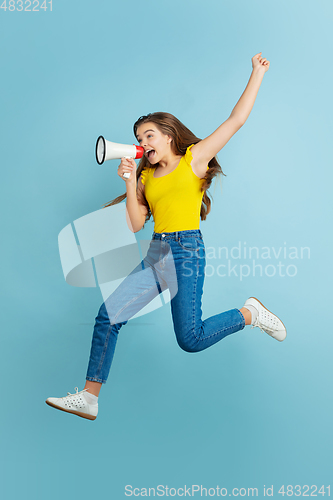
(77, 391)
(259, 325)
(256, 323)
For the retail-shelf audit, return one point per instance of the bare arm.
(206, 149)
(245, 104)
(136, 211)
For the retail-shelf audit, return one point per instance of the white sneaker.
(75, 403)
(267, 321)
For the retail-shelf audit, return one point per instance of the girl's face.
(155, 144)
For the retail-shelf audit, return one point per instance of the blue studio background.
(250, 411)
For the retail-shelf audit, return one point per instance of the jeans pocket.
(188, 243)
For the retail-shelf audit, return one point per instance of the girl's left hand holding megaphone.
(107, 150)
(128, 165)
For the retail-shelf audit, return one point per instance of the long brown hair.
(182, 137)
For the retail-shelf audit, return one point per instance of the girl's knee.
(102, 315)
(106, 316)
(188, 345)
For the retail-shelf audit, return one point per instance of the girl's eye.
(149, 135)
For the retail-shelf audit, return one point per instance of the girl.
(170, 183)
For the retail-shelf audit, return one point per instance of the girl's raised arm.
(206, 149)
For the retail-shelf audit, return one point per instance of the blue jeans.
(175, 261)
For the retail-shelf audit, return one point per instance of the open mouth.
(150, 153)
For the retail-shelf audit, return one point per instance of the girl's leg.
(103, 345)
(134, 293)
(247, 315)
(93, 387)
(192, 333)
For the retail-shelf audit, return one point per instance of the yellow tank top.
(174, 199)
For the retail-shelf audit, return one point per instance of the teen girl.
(170, 183)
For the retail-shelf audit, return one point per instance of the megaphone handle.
(127, 174)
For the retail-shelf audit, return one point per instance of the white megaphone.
(106, 150)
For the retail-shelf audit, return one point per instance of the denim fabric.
(175, 261)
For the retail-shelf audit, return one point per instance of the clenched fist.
(260, 62)
(127, 165)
